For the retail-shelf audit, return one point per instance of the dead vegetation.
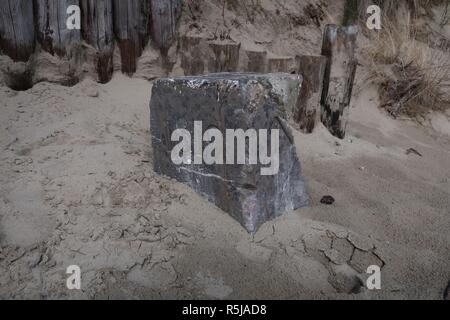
(412, 77)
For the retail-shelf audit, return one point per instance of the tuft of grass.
(412, 78)
(355, 10)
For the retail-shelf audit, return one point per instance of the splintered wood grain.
(165, 14)
(339, 45)
(312, 69)
(132, 29)
(51, 25)
(97, 30)
(17, 36)
(129, 23)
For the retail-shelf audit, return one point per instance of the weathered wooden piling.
(279, 64)
(339, 45)
(224, 57)
(193, 50)
(17, 35)
(132, 30)
(51, 26)
(256, 61)
(97, 30)
(165, 14)
(307, 113)
(129, 23)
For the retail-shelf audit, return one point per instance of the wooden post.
(165, 14)
(97, 30)
(307, 113)
(129, 22)
(224, 57)
(256, 61)
(51, 25)
(279, 64)
(339, 47)
(132, 29)
(193, 55)
(17, 29)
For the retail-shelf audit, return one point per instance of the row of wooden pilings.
(129, 24)
(327, 78)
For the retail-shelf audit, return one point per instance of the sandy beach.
(77, 187)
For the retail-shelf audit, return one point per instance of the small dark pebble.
(328, 200)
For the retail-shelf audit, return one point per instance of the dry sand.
(77, 188)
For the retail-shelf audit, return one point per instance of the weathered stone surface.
(312, 68)
(339, 45)
(51, 25)
(17, 29)
(288, 91)
(231, 101)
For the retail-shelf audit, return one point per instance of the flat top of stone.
(233, 76)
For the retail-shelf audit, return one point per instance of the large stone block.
(222, 104)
